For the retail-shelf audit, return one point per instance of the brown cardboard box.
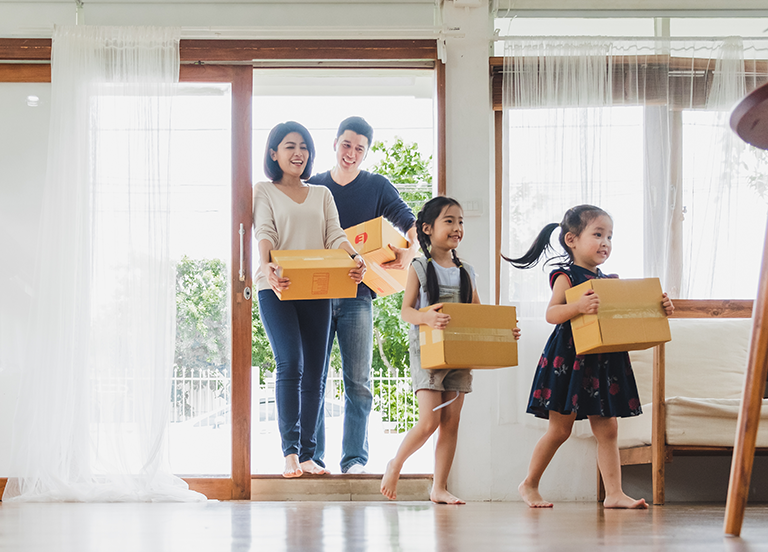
(630, 316)
(315, 273)
(371, 240)
(478, 336)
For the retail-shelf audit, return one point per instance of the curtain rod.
(637, 38)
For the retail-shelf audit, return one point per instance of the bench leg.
(600, 486)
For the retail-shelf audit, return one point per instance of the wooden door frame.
(231, 61)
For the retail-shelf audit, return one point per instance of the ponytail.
(540, 246)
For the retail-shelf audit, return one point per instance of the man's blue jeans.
(298, 333)
(352, 323)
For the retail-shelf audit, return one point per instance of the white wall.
(296, 19)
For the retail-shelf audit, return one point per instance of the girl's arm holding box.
(408, 313)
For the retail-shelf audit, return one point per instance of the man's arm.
(404, 255)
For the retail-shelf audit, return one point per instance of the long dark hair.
(271, 167)
(575, 221)
(428, 215)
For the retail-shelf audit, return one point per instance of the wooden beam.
(250, 50)
(712, 308)
(25, 72)
(659, 427)
(212, 487)
(25, 49)
(242, 217)
(39, 49)
(498, 155)
(441, 130)
(635, 456)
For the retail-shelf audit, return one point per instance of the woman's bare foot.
(624, 501)
(389, 481)
(311, 468)
(442, 496)
(532, 497)
(292, 467)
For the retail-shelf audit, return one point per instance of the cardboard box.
(371, 239)
(630, 316)
(315, 273)
(478, 336)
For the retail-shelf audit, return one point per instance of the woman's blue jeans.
(298, 333)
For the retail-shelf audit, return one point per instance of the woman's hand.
(667, 305)
(358, 272)
(271, 271)
(435, 320)
(589, 302)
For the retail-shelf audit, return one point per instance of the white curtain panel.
(93, 411)
(639, 128)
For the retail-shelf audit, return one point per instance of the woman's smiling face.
(292, 154)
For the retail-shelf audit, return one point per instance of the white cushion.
(696, 422)
(705, 359)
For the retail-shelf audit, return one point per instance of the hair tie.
(429, 259)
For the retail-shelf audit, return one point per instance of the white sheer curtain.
(93, 409)
(639, 128)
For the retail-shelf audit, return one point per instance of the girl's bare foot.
(389, 481)
(310, 467)
(292, 467)
(444, 497)
(532, 497)
(624, 501)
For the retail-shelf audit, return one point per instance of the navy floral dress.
(589, 385)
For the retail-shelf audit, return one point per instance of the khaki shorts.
(435, 380)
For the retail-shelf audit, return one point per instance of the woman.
(291, 214)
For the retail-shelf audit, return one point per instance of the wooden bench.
(660, 451)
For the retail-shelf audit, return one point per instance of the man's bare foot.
(444, 497)
(292, 467)
(389, 481)
(311, 468)
(532, 497)
(624, 501)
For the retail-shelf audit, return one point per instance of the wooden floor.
(370, 526)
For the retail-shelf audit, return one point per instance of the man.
(360, 196)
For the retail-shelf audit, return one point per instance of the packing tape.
(631, 312)
(495, 335)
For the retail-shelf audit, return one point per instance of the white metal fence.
(204, 396)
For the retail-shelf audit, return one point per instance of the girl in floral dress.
(567, 386)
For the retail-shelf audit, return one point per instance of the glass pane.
(201, 431)
(398, 104)
(24, 119)
(728, 193)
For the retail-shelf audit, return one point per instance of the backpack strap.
(420, 266)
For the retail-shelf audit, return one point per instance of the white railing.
(204, 395)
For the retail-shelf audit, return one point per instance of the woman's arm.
(358, 272)
(408, 313)
(269, 269)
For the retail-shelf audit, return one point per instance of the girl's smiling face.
(448, 229)
(292, 154)
(593, 246)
